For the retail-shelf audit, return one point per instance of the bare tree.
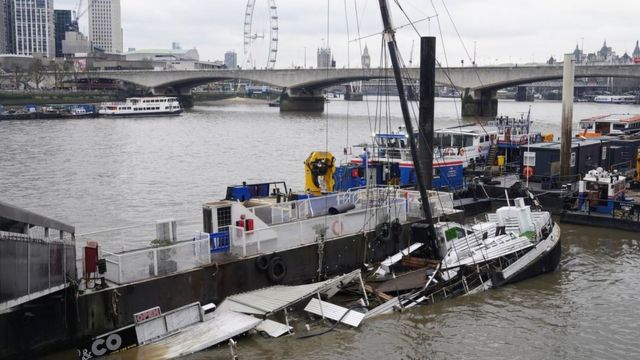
(37, 73)
(60, 71)
(21, 76)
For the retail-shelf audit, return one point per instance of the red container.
(249, 226)
(91, 257)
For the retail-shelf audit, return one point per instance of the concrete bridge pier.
(184, 95)
(302, 100)
(482, 103)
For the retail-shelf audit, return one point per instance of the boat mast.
(390, 38)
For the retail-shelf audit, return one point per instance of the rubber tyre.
(277, 270)
(262, 262)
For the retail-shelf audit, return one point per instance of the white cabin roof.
(613, 118)
(475, 130)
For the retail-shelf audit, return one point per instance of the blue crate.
(219, 242)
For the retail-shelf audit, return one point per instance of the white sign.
(529, 159)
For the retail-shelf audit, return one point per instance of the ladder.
(491, 156)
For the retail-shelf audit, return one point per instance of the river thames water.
(105, 173)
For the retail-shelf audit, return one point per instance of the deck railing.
(287, 235)
(37, 256)
(157, 261)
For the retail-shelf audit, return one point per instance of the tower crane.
(79, 11)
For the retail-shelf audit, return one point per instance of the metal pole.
(567, 115)
(389, 36)
(427, 106)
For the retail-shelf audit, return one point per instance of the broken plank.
(411, 280)
(273, 328)
(334, 312)
(377, 293)
(417, 263)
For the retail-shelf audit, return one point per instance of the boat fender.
(396, 229)
(277, 269)
(383, 231)
(262, 262)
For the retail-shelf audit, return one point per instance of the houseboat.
(611, 124)
(138, 106)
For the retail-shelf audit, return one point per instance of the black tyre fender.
(277, 270)
(262, 262)
(383, 231)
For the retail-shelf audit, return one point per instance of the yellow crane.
(318, 170)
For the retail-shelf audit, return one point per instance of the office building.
(230, 60)
(105, 27)
(63, 23)
(32, 27)
(4, 26)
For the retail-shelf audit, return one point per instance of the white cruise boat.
(137, 106)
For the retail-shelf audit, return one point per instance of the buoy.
(337, 227)
(528, 171)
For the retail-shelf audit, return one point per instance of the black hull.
(103, 311)
(547, 263)
(599, 220)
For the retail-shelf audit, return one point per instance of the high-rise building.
(231, 59)
(366, 58)
(324, 58)
(32, 27)
(105, 26)
(4, 14)
(63, 23)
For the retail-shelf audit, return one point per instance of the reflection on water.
(106, 173)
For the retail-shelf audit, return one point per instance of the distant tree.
(37, 73)
(60, 71)
(4, 78)
(21, 76)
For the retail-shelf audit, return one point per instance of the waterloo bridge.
(303, 88)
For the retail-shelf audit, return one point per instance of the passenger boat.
(616, 99)
(611, 124)
(139, 106)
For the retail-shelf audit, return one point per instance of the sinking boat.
(513, 244)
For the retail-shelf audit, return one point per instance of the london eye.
(251, 37)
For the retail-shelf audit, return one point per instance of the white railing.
(136, 236)
(283, 236)
(142, 264)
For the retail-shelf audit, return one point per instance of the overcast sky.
(503, 31)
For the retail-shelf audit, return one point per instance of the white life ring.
(450, 151)
(337, 227)
(461, 151)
